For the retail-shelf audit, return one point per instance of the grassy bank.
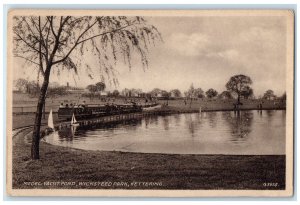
(220, 105)
(22, 120)
(164, 171)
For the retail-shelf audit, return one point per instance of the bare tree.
(26, 86)
(22, 84)
(54, 43)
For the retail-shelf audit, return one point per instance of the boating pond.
(230, 133)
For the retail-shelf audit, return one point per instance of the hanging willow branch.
(65, 41)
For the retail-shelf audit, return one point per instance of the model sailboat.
(73, 120)
(50, 127)
(50, 121)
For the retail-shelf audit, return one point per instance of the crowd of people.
(75, 105)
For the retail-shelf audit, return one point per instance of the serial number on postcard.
(270, 184)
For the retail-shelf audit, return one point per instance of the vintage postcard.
(174, 103)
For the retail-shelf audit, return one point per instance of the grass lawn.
(166, 171)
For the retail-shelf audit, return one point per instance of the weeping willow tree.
(56, 43)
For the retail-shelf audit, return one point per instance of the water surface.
(237, 133)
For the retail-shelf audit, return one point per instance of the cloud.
(207, 51)
(189, 44)
(200, 45)
(266, 40)
(230, 54)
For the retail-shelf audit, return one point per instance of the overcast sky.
(205, 51)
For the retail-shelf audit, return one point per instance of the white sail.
(73, 121)
(50, 120)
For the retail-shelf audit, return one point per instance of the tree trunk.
(38, 116)
(44, 110)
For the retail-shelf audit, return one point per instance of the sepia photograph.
(150, 103)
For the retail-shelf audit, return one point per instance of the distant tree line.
(32, 88)
(238, 86)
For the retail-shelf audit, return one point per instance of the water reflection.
(72, 133)
(212, 119)
(269, 113)
(177, 119)
(259, 113)
(193, 123)
(240, 124)
(151, 119)
(245, 132)
(166, 122)
(67, 134)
